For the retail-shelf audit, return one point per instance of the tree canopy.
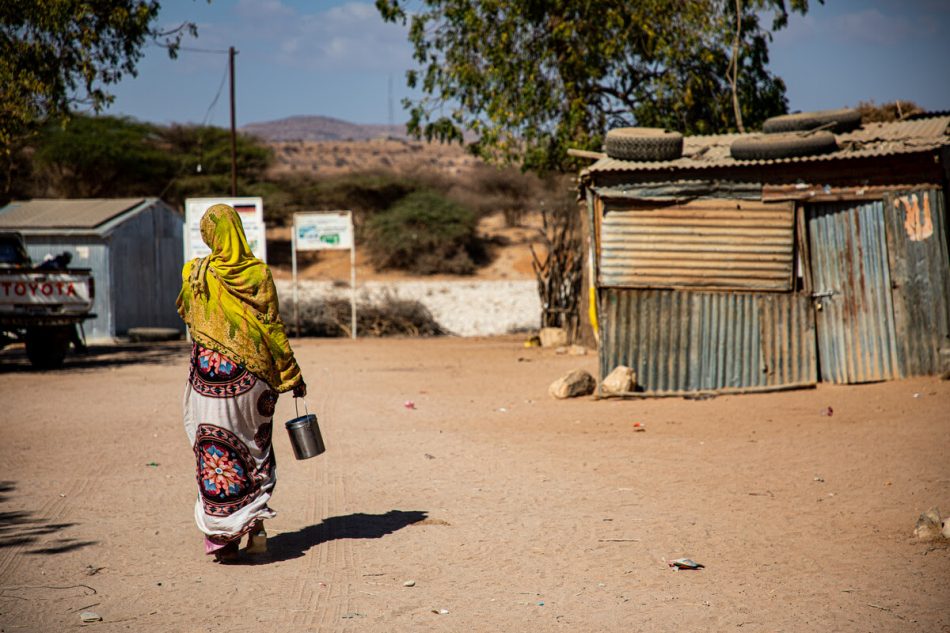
(531, 78)
(56, 55)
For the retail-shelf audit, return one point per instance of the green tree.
(531, 78)
(117, 156)
(101, 157)
(56, 55)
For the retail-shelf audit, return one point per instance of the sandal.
(257, 540)
(227, 554)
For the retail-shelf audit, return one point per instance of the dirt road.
(510, 511)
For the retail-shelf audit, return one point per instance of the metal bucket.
(305, 436)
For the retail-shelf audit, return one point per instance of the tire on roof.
(841, 120)
(643, 144)
(769, 146)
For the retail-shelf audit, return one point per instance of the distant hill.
(321, 128)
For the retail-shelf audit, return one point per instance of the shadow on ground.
(288, 545)
(24, 528)
(14, 360)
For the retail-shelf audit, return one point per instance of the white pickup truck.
(41, 305)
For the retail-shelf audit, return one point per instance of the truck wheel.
(843, 120)
(643, 144)
(769, 146)
(46, 346)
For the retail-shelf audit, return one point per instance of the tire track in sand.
(323, 586)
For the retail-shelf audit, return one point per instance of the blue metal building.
(715, 274)
(132, 245)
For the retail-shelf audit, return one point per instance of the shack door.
(854, 312)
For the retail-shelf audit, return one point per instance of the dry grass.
(388, 316)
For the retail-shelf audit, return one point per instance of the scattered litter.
(409, 404)
(916, 395)
(502, 410)
(819, 479)
(350, 616)
(828, 412)
(440, 611)
(152, 464)
(409, 583)
(685, 563)
(90, 616)
(639, 428)
(534, 341)
(428, 456)
(541, 604)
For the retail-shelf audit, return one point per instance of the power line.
(193, 49)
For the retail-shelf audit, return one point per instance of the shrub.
(425, 233)
(388, 316)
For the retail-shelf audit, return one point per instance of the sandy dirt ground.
(510, 511)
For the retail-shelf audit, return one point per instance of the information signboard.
(251, 211)
(327, 230)
(323, 231)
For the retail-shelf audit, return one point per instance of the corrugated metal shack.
(725, 275)
(133, 246)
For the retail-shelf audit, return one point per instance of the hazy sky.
(338, 58)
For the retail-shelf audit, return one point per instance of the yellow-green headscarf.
(229, 302)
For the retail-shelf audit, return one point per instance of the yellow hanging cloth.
(229, 302)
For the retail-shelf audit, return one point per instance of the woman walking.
(241, 361)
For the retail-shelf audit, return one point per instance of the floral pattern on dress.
(215, 375)
(227, 479)
(221, 474)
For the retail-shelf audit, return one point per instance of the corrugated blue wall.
(682, 341)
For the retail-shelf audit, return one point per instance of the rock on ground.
(621, 380)
(574, 384)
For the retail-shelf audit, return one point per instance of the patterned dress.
(229, 419)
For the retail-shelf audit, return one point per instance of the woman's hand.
(300, 391)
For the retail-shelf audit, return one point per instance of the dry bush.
(887, 112)
(388, 316)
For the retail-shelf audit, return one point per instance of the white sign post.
(251, 211)
(331, 230)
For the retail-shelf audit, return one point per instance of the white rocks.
(464, 308)
(574, 384)
(553, 337)
(621, 380)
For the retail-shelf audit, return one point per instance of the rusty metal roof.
(64, 214)
(871, 140)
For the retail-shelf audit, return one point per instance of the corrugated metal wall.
(723, 244)
(88, 252)
(147, 260)
(856, 332)
(681, 341)
(917, 252)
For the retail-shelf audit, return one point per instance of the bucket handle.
(305, 410)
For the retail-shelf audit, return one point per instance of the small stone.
(553, 337)
(90, 616)
(577, 350)
(574, 384)
(409, 583)
(621, 380)
(929, 526)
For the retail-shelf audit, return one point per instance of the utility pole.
(231, 53)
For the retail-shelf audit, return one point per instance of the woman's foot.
(227, 554)
(257, 539)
